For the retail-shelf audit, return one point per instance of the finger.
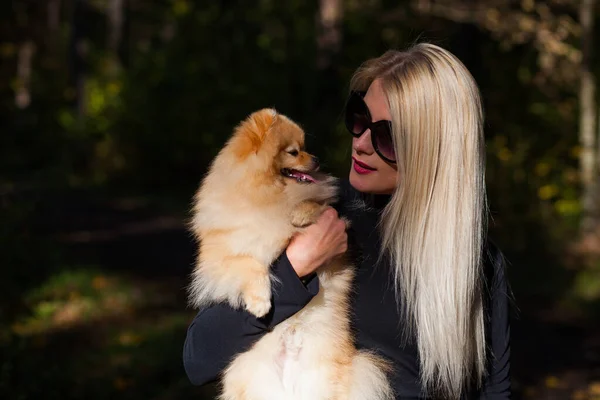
(330, 213)
(340, 225)
(341, 249)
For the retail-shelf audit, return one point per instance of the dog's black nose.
(315, 161)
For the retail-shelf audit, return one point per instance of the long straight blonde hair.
(433, 227)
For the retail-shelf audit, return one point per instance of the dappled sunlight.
(587, 284)
(113, 332)
(561, 387)
(77, 297)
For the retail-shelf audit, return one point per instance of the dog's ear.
(253, 131)
(263, 120)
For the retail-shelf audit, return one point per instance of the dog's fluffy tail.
(369, 378)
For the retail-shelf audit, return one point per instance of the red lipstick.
(362, 168)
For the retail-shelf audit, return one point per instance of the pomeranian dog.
(261, 189)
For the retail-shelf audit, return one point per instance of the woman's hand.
(318, 243)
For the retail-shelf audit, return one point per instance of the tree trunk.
(587, 119)
(78, 49)
(115, 30)
(53, 16)
(598, 149)
(126, 33)
(24, 61)
(329, 34)
(52, 54)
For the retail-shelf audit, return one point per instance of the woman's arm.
(219, 332)
(497, 384)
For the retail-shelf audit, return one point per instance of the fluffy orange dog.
(261, 189)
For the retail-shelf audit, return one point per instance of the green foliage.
(587, 284)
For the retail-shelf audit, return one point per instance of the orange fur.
(252, 133)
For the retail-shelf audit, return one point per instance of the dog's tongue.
(302, 175)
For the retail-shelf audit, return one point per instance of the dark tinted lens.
(382, 136)
(360, 123)
(357, 118)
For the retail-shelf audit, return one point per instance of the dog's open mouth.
(299, 176)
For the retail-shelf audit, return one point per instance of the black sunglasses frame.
(383, 127)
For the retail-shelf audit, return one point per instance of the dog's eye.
(293, 153)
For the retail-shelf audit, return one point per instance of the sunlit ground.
(109, 325)
(93, 335)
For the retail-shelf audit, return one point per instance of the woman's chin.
(369, 183)
(362, 183)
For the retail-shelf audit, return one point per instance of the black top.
(218, 332)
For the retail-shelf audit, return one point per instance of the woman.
(431, 294)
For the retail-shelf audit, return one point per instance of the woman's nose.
(362, 144)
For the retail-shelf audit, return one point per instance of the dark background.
(112, 109)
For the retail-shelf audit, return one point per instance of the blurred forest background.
(112, 109)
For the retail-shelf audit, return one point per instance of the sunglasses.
(358, 120)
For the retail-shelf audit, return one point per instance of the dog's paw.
(257, 298)
(302, 221)
(258, 308)
(306, 213)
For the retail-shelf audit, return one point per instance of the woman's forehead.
(376, 100)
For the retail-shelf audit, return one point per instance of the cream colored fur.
(245, 213)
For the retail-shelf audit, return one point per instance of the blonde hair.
(433, 227)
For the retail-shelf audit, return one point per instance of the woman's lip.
(360, 169)
(363, 165)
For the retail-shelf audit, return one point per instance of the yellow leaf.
(542, 168)
(504, 154)
(493, 15)
(181, 7)
(528, 5)
(547, 192)
(567, 207)
(594, 389)
(552, 382)
(113, 88)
